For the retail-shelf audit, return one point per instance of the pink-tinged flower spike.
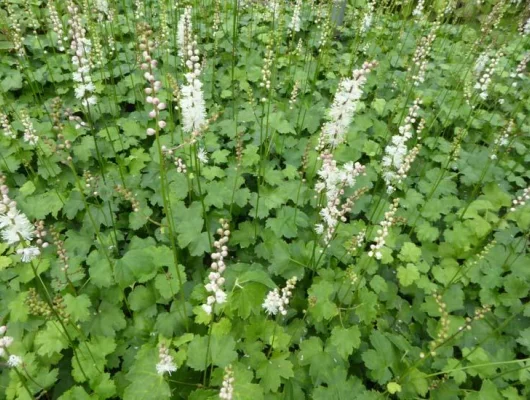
(57, 25)
(215, 277)
(343, 108)
(382, 233)
(227, 388)
(30, 134)
(275, 303)
(6, 126)
(166, 362)
(149, 65)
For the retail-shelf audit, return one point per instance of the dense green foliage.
(132, 219)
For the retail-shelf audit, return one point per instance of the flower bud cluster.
(266, 70)
(503, 140)
(357, 242)
(166, 363)
(521, 200)
(13, 361)
(15, 32)
(383, 231)
(6, 126)
(61, 250)
(352, 275)
(521, 68)
(79, 123)
(14, 225)
(480, 313)
(421, 54)
(38, 307)
(395, 159)
(149, 65)
(227, 387)
(57, 25)
(275, 302)
(443, 333)
(333, 181)
(184, 32)
(525, 28)
(484, 81)
(294, 94)
(343, 107)
(218, 266)
(30, 134)
(128, 196)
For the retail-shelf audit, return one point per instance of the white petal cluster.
(227, 388)
(6, 342)
(483, 83)
(521, 200)
(343, 107)
(294, 25)
(333, 181)
(166, 362)
(396, 151)
(6, 126)
(14, 225)
(81, 48)
(184, 29)
(418, 11)
(275, 302)
(192, 102)
(202, 155)
(368, 17)
(30, 134)
(28, 253)
(215, 277)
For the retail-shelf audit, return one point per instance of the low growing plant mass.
(264, 200)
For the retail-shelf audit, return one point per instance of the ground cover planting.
(264, 199)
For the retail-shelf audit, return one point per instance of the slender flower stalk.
(296, 21)
(81, 48)
(395, 161)
(192, 102)
(215, 278)
(382, 233)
